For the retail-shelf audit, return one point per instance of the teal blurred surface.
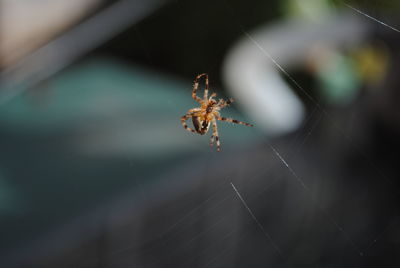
(83, 138)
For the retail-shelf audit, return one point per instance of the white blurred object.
(252, 67)
(27, 25)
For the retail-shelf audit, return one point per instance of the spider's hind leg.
(206, 88)
(215, 134)
(183, 121)
(196, 87)
(212, 140)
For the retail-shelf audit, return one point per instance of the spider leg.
(196, 86)
(223, 103)
(183, 121)
(234, 121)
(188, 115)
(212, 140)
(206, 88)
(215, 134)
(212, 96)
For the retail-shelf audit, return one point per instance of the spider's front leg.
(196, 87)
(223, 103)
(234, 121)
(229, 101)
(215, 134)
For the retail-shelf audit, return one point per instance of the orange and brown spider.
(207, 113)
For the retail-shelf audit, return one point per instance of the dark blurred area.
(96, 169)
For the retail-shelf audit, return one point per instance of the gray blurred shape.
(69, 47)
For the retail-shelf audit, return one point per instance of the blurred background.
(96, 169)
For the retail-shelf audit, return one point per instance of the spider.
(207, 113)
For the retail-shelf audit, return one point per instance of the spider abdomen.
(201, 126)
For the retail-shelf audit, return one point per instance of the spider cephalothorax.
(207, 113)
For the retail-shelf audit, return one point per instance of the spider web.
(230, 190)
(327, 115)
(222, 195)
(324, 115)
